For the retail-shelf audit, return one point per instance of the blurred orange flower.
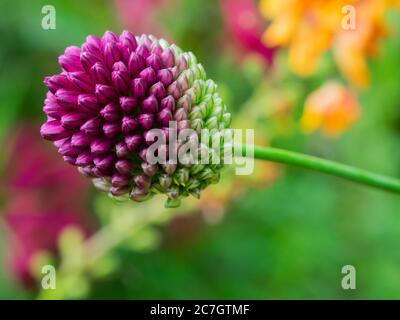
(332, 107)
(353, 47)
(310, 27)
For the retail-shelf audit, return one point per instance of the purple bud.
(59, 143)
(111, 112)
(87, 171)
(72, 51)
(128, 40)
(149, 75)
(156, 48)
(120, 81)
(67, 98)
(175, 72)
(124, 166)
(146, 120)
(111, 130)
(88, 103)
(99, 74)
(121, 150)
(88, 60)
(180, 114)
(149, 169)
(81, 80)
(153, 61)
(109, 36)
(158, 90)
(93, 46)
(128, 125)
(99, 174)
(70, 60)
(81, 139)
(104, 163)
(169, 167)
(119, 191)
(125, 53)
(136, 64)
(105, 93)
(168, 58)
(120, 69)
(54, 110)
(92, 126)
(133, 142)
(73, 120)
(138, 88)
(111, 54)
(66, 149)
(183, 125)
(143, 51)
(84, 159)
(53, 130)
(50, 98)
(142, 182)
(175, 90)
(128, 104)
(168, 103)
(118, 180)
(138, 194)
(70, 160)
(100, 146)
(165, 76)
(150, 105)
(143, 154)
(164, 117)
(182, 64)
(58, 81)
(120, 66)
(145, 40)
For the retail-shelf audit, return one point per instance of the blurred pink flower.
(140, 16)
(246, 26)
(43, 197)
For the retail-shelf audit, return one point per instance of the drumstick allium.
(111, 93)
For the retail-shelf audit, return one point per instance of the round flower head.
(103, 108)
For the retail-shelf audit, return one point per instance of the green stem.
(326, 166)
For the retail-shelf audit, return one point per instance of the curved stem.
(326, 166)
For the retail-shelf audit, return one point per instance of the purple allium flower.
(111, 93)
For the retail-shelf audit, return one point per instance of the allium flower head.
(111, 93)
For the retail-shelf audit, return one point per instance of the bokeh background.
(288, 69)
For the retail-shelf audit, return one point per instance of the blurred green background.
(286, 236)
